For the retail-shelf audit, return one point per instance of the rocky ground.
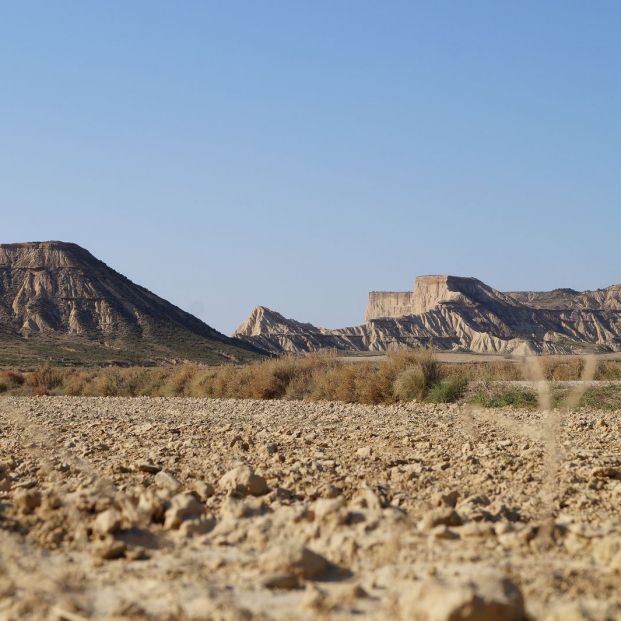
(185, 509)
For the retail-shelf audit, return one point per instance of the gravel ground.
(154, 508)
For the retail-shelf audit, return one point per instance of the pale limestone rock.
(243, 480)
(107, 522)
(486, 599)
(182, 507)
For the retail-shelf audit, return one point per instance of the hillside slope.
(59, 303)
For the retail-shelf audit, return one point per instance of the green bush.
(448, 390)
(497, 396)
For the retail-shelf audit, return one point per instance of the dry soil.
(153, 508)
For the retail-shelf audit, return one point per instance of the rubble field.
(238, 510)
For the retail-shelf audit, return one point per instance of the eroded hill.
(458, 314)
(58, 302)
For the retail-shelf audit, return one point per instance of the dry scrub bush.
(45, 376)
(415, 381)
(10, 380)
(179, 381)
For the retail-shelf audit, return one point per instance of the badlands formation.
(214, 510)
(451, 313)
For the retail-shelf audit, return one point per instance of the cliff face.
(460, 314)
(58, 296)
(429, 292)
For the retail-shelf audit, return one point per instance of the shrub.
(3, 386)
(447, 390)
(40, 391)
(415, 381)
(12, 378)
(410, 384)
(180, 380)
(496, 396)
(45, 375)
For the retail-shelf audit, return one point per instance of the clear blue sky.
(299, 154)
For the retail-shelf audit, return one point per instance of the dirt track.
(119, 509)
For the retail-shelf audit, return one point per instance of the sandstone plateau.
(452, 313)
(58, 302)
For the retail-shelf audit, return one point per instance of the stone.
(325, 507)
(607, 551)
(182, 507)
(167, 481)
(449, 499)
(196, 526)
(295, 560)
(486, 599)
(444, 516)
(281, 581)
(203, 489)
(148, 468)
(109, 548)
(151, 507)
(107, 522)
(582, 611)
(242, 480)
(27, 500)
(607, 472)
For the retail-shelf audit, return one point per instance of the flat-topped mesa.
(429, 291)
(44, 255)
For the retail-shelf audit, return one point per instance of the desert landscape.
(310, 311)
(410, 485)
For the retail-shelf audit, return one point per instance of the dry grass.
(400, 376)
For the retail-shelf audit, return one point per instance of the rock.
(109, 548)
(325, 507)
(607, 472)
(365, 452)
(294, 560)
(203, 489)
(107, 522)
(193, 527)
(148, 468)
(366, 498)
(314, 598)
(486, 599)
(151, 507)
(281, 581)
(444, 516)
(167, 481)
(607, 551)
(582, 611)
(27, 500)
(243, 480)
(449, 499)
(182, 507)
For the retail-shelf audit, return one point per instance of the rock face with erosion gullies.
(457, 314)
(58, 301)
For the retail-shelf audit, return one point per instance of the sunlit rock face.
(457, 314)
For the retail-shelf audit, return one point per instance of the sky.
(300, 154)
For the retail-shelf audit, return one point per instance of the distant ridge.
(60, 303)
(456, 313)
